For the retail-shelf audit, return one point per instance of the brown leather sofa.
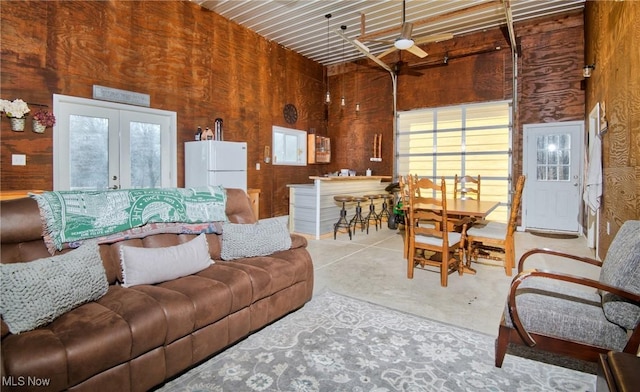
(133, 339)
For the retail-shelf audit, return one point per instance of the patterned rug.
(336, 343)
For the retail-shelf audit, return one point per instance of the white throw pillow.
(155, 265)
(37, 292)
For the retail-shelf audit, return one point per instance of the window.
(289, 146)
(464, 140)
(553, 157)
(103, 145)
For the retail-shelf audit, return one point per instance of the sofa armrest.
(552, 252)
(298, 241)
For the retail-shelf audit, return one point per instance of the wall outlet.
(258, 166)
(18, 159)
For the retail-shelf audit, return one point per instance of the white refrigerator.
(213, 162)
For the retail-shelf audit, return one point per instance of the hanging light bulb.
(327, 97)
(357, 108)
(342, 100)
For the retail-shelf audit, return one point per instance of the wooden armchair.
(428, 203)
(547, 311)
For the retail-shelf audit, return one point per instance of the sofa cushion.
(621, 268)
(37, 292)
(251, 240)
(155, 265)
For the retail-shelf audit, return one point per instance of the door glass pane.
(145, 155)
(553, 157)
(88, 152)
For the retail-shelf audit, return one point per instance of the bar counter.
(312, 209)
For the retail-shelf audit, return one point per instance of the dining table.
(457, 209)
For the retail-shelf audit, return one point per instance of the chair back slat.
(424, 186)
(515, 206)
(466, 187)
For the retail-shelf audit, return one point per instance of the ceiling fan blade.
(417, 51)
(407, 28)
(361, 45)
(433, 38)
(386, 52)
(362, 48)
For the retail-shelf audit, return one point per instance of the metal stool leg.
(372, 216)
(358, 218)
(385, 213)
(342, 222)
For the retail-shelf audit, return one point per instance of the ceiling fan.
(406, 42)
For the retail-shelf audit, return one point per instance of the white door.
(552, 159)
(101, 145)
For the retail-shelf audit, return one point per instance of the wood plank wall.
(188, 59)
(612, 36)
(478, 68)
(192, 61)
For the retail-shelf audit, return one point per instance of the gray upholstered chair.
(553, 311)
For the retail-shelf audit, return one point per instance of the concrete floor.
(372, 268)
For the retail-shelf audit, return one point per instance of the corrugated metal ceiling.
(301, 25)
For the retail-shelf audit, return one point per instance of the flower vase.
(17, 124)
(38, 127)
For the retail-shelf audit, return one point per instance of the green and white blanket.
(76, 215)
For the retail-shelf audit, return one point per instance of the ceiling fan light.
(403, 43)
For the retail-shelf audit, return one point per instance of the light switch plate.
(18, 159)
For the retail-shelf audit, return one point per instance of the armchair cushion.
(561, 310)
(621, 268)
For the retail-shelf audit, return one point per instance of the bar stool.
(372, 212)
(342, 222)
(358, 218)
(385, 207)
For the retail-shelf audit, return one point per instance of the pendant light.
(356, 88)
(327, 97)
(342, 100)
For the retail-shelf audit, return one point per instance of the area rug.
(337, 343)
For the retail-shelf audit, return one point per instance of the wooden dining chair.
(428, 237)
(403, 184)
(497, 234)
(466, 187)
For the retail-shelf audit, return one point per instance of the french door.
(552, 157)
(102, 145)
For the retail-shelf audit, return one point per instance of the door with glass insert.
(553, 165)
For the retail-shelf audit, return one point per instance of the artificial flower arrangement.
(16, 108)
(45, 118)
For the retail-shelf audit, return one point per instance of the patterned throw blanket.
(70, 216)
